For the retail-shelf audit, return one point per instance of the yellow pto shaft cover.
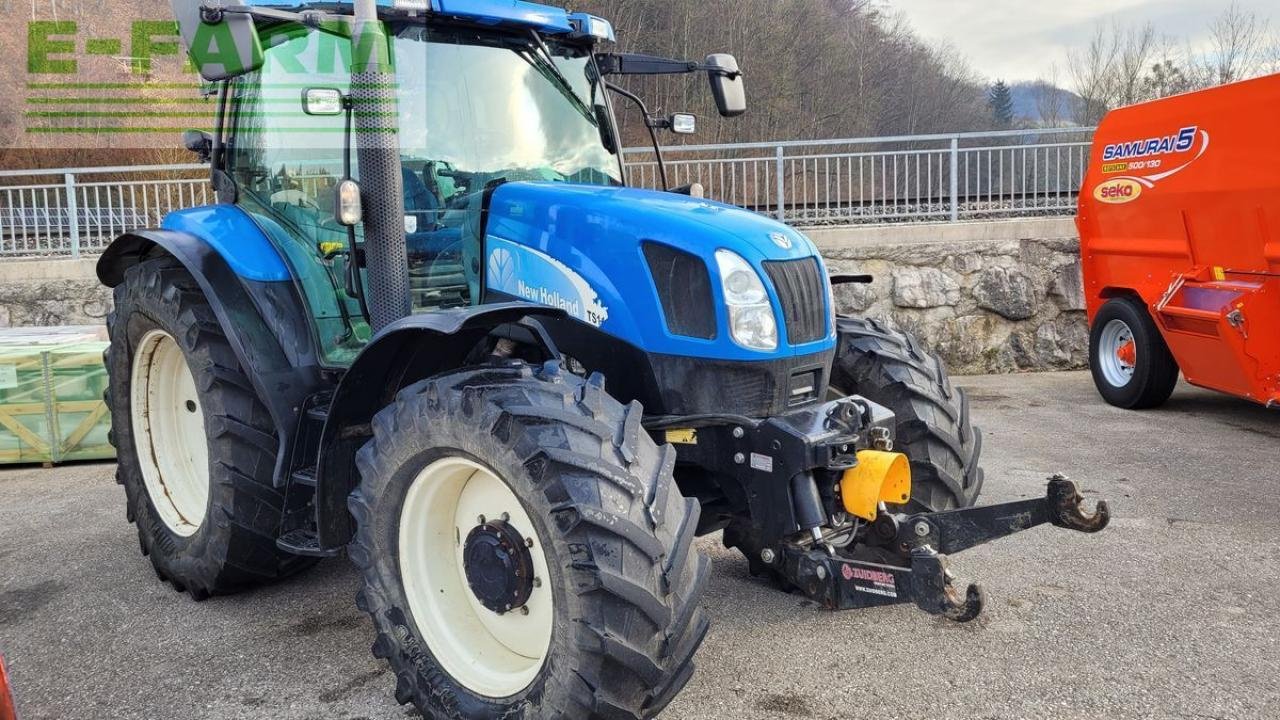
(878, 477)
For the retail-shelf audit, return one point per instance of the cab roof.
(544, 18)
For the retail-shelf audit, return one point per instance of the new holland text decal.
(532, 275)
(1136, 158)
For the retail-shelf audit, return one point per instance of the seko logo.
(1120, 190)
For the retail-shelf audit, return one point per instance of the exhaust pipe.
(373, 94)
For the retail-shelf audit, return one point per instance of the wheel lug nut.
(480, 520)
(537, 582)
(524, 609)
(528, 542)
(506, 517)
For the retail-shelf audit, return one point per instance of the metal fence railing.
(953, 177)
(81, 210)
(912, 178)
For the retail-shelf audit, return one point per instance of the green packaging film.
(52, 382)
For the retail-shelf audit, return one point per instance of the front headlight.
(751, 320)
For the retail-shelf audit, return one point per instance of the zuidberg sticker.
(1118, 191)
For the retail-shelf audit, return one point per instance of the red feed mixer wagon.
(1179, 222)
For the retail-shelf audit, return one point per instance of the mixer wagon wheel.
(1130, 362)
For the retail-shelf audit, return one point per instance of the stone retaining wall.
(990, 297)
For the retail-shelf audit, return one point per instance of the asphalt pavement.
(1169, 613)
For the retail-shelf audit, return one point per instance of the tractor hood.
(640, 265)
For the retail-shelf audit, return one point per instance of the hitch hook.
(1067, 507)
(933, 591)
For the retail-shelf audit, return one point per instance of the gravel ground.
(1170, 613)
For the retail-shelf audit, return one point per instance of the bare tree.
(1050, 99)
(1237, 47)
(1092, 75)
(1110, 71)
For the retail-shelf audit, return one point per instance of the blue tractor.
(429, 324)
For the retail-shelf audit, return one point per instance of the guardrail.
(947, 177)
(908, 178)
(81, 210)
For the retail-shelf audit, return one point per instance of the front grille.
(803, 295)
(684, 286)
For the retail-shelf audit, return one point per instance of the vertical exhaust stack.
(373, 94)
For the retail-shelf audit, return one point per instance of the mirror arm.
(634, 64)
(650, 122)
(310, 18)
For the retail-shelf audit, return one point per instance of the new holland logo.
(781, 240)
(1118, 191)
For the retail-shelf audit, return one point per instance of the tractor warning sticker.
(533, 275)
(881, 582)
(1146, 162)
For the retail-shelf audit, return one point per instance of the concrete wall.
(51, 292)
(990, 297)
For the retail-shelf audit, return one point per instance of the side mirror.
(683, 123)
(726, 84)
(200, 143)
(346, 207)
(220, 44)
(322, 101)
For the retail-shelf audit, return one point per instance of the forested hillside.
(814, 68)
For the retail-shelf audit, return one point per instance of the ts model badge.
(780, 240)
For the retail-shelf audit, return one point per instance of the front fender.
(264, 321)
(406, 351)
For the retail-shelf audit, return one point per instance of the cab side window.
(285, 161)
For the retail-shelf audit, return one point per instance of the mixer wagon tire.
(196, 448)
(934, 430)
(524, 551)
(1128, 358)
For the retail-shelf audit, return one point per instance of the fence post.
(955, 179)
(73, 212)
(782, 185)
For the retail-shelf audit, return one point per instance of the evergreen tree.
(1000, 100)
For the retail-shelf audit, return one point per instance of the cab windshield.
(476, 107)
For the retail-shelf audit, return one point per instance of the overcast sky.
(1020, 39)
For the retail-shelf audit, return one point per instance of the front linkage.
(794, 471)
(919, 546)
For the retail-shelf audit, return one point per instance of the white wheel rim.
(168, 430)
(1115, 340)
(490, 654)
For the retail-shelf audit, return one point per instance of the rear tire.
(890, 367)
(1128, 358)
(596, 503)
(197, 461)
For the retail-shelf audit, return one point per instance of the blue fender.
(404, 352)
(265, 321)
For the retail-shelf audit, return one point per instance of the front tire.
(196, 449)
(890, 367)
(585, 504)
(1128, 358)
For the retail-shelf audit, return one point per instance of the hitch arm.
(923, 544)
(951, 531)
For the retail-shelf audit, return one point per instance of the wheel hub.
(498, 566)
(1128, 354)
